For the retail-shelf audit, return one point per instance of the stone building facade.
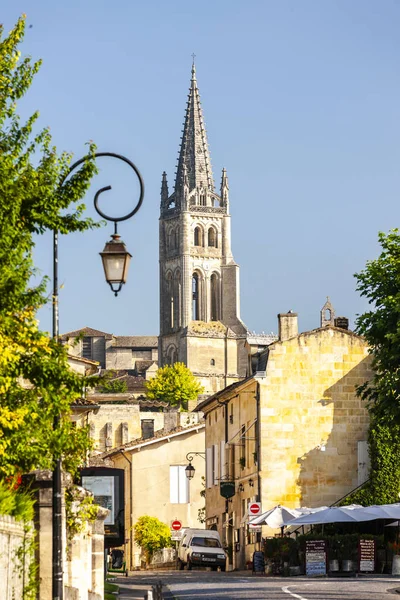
(133, 353)
(292, 434)
(200, 321)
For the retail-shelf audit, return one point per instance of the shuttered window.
(178, 485)
(209, 467)
(222, 460)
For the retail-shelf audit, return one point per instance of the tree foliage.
(379, 282)
(151, 535)
(174, 384)
(111, 384)
(36, 383)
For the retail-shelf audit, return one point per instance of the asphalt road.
(203, 585)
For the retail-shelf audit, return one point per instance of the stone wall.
(13, 574)
(311, 417)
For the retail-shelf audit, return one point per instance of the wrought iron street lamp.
(115, 259)
(190, 470)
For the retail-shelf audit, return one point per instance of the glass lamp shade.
(190, 471)
(116, 261)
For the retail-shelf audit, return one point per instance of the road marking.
(287, 591)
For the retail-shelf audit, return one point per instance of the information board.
(258, 562)
(315, 558)
(366, 555)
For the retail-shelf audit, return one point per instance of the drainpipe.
(258, 446)
(258, 442)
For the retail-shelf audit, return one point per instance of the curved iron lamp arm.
(190, 455)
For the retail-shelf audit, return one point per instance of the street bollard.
(149, 595)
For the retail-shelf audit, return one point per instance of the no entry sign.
(254, 509)
(176, 525)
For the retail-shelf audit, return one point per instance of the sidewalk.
(129, 590)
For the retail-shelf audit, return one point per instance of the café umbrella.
(336, 514)
(279, 516)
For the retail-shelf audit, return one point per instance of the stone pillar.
(42, 486)
(288, 327)
(98, 552)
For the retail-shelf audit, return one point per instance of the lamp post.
(115, 260)
(190, 470)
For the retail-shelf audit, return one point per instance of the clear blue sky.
(301, 102)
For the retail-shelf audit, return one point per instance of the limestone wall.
(107, 425)
(311, 418)
(13, 573)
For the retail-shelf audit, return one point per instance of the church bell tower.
(199, 279)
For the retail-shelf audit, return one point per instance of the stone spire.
(194, 154)
(164, 190)
(224, 189)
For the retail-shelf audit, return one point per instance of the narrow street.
(201, 585)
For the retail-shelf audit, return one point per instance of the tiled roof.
(159, 435)
(84, 402)
(134, 383)
(135, 341)
(148, 403)
(87, 331)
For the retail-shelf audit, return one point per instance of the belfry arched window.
(215, 298)
(198, 236)
(169, 301)
(195, 297)
(212, 237)
(177, 292)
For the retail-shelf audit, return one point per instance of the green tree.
(36, 383)
(151, 535)
(379, 282)
(110, 384)
(174, 384)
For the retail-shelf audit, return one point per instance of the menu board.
(315, 558)
(366, 555)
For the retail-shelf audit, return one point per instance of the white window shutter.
(222, 460)
(216, 474)
(209, 467)
(173, 485)
(363, 462)
(183, 485)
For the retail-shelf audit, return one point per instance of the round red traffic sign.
(254, 508)
(176, 525)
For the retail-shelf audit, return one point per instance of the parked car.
(201, 548)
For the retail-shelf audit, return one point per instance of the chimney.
(288, 327)
(342, 322)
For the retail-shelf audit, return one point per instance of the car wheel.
(214, 568)
(179, 565)
(223, 569)
(189, 565)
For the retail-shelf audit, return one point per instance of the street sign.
(254, 509)
(176, 525)
(227, 488)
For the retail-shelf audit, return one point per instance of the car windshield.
(205, 542)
